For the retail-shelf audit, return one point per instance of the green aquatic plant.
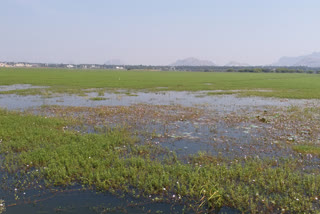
(309, 149)
(38, 149)
(210, 198)
(98, 98)
(2, 206)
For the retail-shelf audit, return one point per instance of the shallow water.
(19, 87)
(220, 103)
(86, 201)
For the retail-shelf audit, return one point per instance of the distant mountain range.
(236, 64)
(192, 62)
(114, 62)
(311, 60)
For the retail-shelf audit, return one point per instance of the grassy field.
(74, 81)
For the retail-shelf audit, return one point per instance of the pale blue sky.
(157, 31)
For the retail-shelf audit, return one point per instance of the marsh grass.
(37, 148)
(76, 81)
(98, 98)
(222, 92)
(307, 149)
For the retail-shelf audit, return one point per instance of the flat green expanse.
(73, 81)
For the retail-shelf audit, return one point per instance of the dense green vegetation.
(75, 81)
(38, 148)
(308, 149)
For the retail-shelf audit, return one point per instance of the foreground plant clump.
(2, 206)
(38, 148)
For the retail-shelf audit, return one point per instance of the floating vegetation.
(97, 98)
(222, 92)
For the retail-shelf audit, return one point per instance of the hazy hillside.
(311, 60)
(193, 62)
(236, 64)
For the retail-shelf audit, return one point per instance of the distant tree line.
(248, 69)
(256, 69)
(275, 70)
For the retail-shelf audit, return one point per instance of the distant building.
(95, 66)
(19, 65)
(7, 66)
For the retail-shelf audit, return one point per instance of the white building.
(19, 65)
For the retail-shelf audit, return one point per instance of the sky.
(157, 32)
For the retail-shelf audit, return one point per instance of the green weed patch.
(98, 98)
(39, 149)
(307, 149)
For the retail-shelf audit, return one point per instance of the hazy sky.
(157, 32)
